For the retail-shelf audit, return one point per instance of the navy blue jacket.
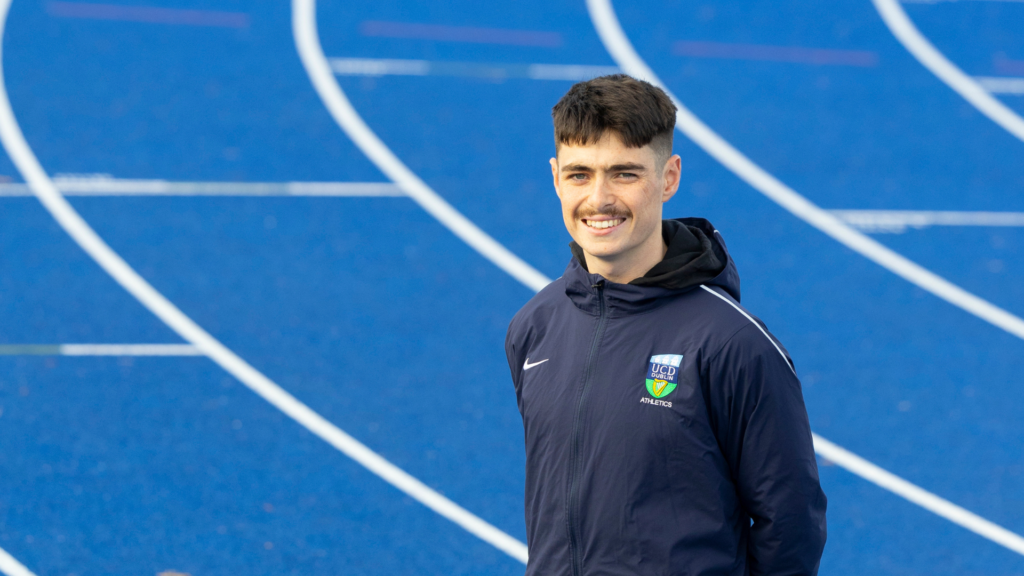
(665, 429)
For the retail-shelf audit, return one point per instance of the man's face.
(612, 195)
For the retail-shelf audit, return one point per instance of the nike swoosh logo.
(527, 365)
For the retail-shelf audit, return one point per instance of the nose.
(601, 195)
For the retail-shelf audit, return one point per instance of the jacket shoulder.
(739, 329)
(540, 307)
(529, 323)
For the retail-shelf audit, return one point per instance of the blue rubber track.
(381, 320)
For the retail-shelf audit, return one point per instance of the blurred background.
(224, 166)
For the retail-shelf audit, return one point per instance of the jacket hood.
(696, 255)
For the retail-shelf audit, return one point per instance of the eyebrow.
(627, 167)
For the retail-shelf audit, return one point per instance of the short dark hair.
(638, 111)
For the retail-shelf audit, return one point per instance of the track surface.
(377, 317)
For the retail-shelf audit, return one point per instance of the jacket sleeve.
(515, 365)
(757, 409)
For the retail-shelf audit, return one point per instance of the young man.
(665, 427)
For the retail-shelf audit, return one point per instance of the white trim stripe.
(893, 483)
(752, 321)
(10, 566)
(25, 160)
(618, 45)
(307, 42)
(904, 30)
(105, 185)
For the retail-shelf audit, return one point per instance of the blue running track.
(380, 319)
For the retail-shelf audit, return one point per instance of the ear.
(671, 175)
(554, 175)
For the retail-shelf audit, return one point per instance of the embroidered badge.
(663, 375)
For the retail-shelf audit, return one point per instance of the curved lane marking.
(622, 51)
(307, 42)
(625, 55)
(43, 187)
(355, 127)
(349, 120)
(8, 564)
(904, 30)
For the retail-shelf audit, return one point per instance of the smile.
(602, 224)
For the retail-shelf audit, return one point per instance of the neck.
(629, 266)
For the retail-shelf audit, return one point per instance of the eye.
(628, 175)
(578, 177)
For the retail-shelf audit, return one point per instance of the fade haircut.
(639, 112)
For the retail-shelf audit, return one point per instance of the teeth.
(604, 223)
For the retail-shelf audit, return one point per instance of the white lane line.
(897, 221)
(307, 42)
(379, 67)
(573, 72)
(25, 160)
(622, 51)
(10, 566)
(891, 482)
(106, 185)
(618, 45)
(904, 30)
(1001, 84)
(624, 54)
(376, 67)
(392, 67)
(130, 350)
(949, 1)
(99, 350)
(923, 498)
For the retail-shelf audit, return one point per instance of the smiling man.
(665, 427)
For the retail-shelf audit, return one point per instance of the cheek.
(567, 214)
(570, 203)
(646, 218)
(643, 205)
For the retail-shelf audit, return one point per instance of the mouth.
(603, 226)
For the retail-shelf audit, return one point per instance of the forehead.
(607, 151)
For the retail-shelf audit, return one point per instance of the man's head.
(613, 170)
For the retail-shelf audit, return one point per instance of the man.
(665, 427)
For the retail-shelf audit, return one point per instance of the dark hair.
(638, 111)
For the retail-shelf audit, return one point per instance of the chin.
(601, 250)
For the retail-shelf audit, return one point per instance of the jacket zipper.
(572, 504)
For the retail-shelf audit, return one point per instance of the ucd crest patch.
(663, 375)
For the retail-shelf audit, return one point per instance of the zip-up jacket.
(666, 432)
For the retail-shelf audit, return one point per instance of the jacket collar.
(586, 289)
